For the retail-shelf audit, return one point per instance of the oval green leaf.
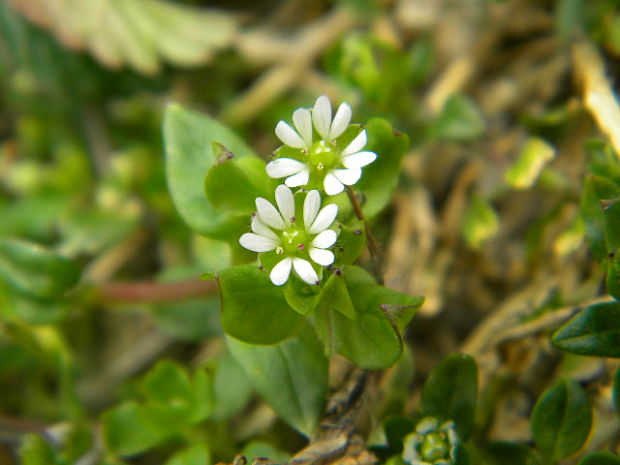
(450, 392)
(291, 377)
(601, 458)
(595, 330)
(561, 420)
(253, 309)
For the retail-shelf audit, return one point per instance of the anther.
(293, 219)
(301, 247)
(320, 166)
(279, 250)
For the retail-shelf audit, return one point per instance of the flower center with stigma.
(434, 446)
(293, 241)
(323, 157)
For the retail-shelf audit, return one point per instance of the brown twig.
(156, 292)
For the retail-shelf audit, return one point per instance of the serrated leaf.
(290, 376)
(533, 158)
(595, 330)
(253, 309)
(138, 34)
(188, 138)
(561, 420)
(450, 392)
(34, 270)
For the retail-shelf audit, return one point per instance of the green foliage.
(600, 458)
(189, 139)
(34, 450)
(267, 320)
(595, 330)
(510, 453)
(450, 392)
(290, 376)
(561, 420)
(196, 454)
(459, 120)
(525, 171)
(480, 221)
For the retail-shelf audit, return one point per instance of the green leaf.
(601, 458)
(612, 279)
(336, 295)
(450, 392)
(396, 428)
(300, 296)
(596, 189)
(381, 177)
(34, 450)
(233, 185)
(480, 222)
(533, 158)
(611, 211)
(167, 382)
(253, 309)
(595, 330)
(189, 138)
(290, 376)
(561, 420)
(258, 449)
(459, 120)
(127, 432)
(191, 320)
(232, 389)
(372, 339)
(196, 454)
(34, 270)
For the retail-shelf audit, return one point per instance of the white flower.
(432, 443)
(323, 160)
(279, 230)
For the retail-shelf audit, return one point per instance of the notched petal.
(289, 136)
(280, 273)
(257, 243)
(304, 270)
(284, 167)
(322, 257)
(324, 219)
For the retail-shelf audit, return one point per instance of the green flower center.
(323, 157)
(434, 446)
(293, 241)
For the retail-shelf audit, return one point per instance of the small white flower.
(278, 229)
(432, 443)
(321, 161)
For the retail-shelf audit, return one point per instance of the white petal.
(332, 185)
(286, 202)
(257, 243)
(288, 136)
(322, 257)
(284, 167)
(304, 270)
(356, 144)
(299, 179)
(280, 273)
(359, 159)
(325, 239)
(322, 116)
(261, 229)
(348, 177)
(303, 123)
(341, 121)
(268, 214)
(324, 219)
(311, 207)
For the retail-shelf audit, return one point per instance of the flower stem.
(373, 249)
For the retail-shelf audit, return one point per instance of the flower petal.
(325, 239)
(356, 144)
(299, 179)
(332, 185)
(284, 167)
(289, 136)
(261, 229)
(303, 123)
(348, 177)
(304, 270)
(359, 159)
(257, 243)
(286, 202)
(268, 214)
(341, 121)
(312, 203)
(324, 219)
(322, 116)
(322, 257)
(280, 273)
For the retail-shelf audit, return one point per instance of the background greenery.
(505, 218)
